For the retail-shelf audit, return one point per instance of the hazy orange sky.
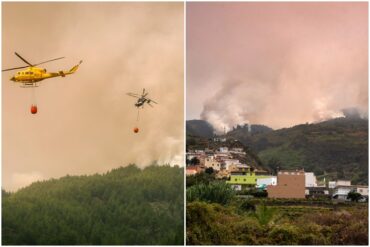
(278, 64)
(85, 121)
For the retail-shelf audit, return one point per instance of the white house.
(224, 149)
(363, 190)
(221, 155)
(332, 184)
(343, 183)
(267, 181)
(310, 179)
(341, 191)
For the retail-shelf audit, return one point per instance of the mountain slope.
(199, 128)
(338, 148)
(125, 206)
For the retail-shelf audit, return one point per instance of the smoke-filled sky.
(278, 64)
(84, 121)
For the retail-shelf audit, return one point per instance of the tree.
(209, 170)
(195, 161)
(354, 196)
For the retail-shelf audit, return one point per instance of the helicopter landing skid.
(29, 85)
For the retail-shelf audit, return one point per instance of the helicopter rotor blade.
(24, 60)
(133, 95)
(153, 101)
(49, 61)
(15, 68)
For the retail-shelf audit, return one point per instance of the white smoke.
(278, 64)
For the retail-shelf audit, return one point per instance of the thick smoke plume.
(278, 64)
(248, 102)
(85, 121)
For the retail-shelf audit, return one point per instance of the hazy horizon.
(354, 114)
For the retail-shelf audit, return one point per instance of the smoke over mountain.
(278, 64)
(281, 104)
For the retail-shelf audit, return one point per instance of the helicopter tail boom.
(71, 71)
(61, 73)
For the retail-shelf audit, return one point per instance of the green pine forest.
(125, 206)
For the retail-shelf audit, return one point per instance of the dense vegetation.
(212, 223)
(218, 192)
(216, 216)
(199, 128)
(125, 206)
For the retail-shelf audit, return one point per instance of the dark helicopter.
(142, 99)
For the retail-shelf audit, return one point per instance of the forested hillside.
(199, 128)
(337, 148)
(125, 206)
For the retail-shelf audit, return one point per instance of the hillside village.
(230, 165)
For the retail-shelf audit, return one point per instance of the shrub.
(217, 192)
(312, 234)
(284, 235)
(208, 224)
(354, 196)
(248, 231)
(247, 205)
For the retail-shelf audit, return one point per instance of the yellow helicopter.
(30, 76)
